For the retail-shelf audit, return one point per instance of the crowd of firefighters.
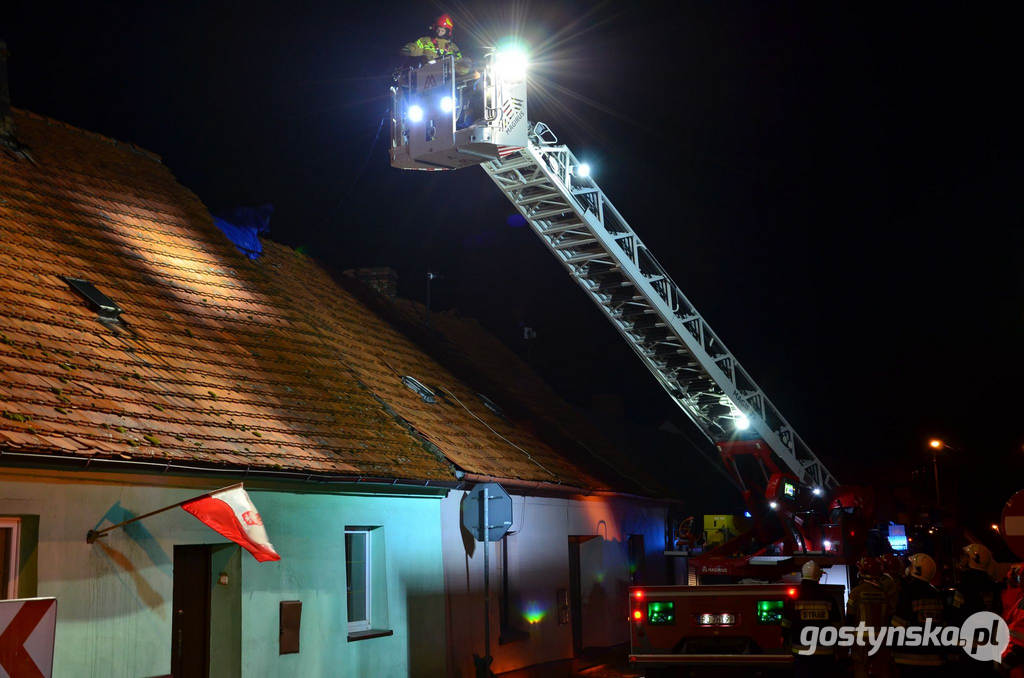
(894, 592)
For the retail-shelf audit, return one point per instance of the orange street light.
(936, 444)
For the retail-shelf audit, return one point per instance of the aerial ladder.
(443, 122)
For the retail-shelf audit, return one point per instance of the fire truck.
(441, 120)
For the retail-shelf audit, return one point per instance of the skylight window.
(491, 405)
(104, 306)
(419, 389)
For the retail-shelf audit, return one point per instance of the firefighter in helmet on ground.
(440, 43)
(919, 602)
(871, 604)
(813, 606)
(976, 592)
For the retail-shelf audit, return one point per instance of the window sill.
(369, 633)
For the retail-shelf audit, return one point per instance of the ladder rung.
(585, 257)
(540, 198)
(562, 228)
(516, 164)
(551, 213)
(574, 243)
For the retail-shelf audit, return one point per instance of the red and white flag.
(231, 513)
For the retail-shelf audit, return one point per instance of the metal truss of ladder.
(601, 252)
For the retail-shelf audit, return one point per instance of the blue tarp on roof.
(242, 226)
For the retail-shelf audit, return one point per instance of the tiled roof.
(225, 361)
(212, 367)
(467, 347)
(459, 424)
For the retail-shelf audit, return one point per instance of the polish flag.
(231, 513)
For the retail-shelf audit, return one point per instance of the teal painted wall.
(114, 597)
(314, 573)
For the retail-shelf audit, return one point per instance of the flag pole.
(92, 535)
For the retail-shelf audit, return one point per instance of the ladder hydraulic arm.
(443, 121)
(583, 230)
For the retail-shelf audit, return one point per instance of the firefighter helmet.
(445, 21)
(811, 570)
(978, 557)
(921, 566)
(869, 567)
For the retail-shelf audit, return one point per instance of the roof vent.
(422, 391)
(104, 306)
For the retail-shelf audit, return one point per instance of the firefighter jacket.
(1013, 612)
(976, 592)
(919, 603)
(432, 48)
(813, 606)
(870, 603)
(891, 586)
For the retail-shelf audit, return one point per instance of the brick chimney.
(6, 121)
(381, 279)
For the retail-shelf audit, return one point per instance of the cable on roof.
(528, 455)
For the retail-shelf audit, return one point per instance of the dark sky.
(831, 186)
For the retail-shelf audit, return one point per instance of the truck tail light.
(791, 592)
(639, 595)
(638, 615)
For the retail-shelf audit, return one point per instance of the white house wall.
(538, 562)
(114, 597)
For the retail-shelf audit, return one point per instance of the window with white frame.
(359, 575)
(10, 541)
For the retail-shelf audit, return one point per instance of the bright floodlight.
(583, 170)
(415, 113)
(741, 422)
(817, 491)
(447, 104)
(772, 505)
(511, 63)
(827, 544)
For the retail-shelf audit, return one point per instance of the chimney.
(381, 279)
(6, 121)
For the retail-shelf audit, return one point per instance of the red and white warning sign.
(1013, 524)
(27, 629)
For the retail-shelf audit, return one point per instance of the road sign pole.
(487, 579)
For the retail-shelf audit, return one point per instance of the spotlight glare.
(817, 492)
(447, 104)
(511, 63)
(583, 170)
(773, 505)
(415, 113)
(741, 422)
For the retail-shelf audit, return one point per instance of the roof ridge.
(95, 135)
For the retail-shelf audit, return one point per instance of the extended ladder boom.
(582, 228)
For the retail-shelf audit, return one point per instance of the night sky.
(830, 186)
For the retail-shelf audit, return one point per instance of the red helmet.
(869, 567)
(892, 565)
(445, 21)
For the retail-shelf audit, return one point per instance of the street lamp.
(937, 445)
